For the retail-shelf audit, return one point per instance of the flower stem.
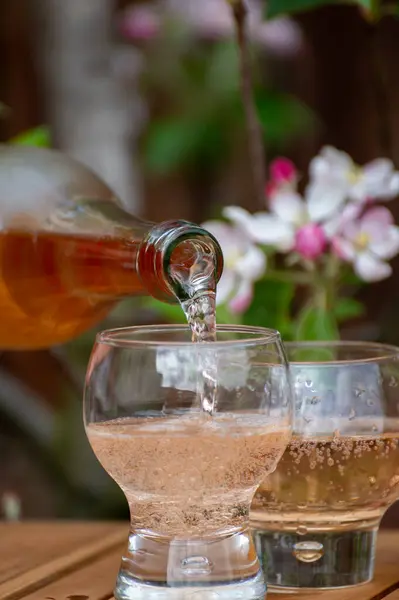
(254, 131)
(325, 285)
(297, 277)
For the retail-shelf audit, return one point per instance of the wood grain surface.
(79, 561)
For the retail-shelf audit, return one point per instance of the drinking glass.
(188, 474)
(316, 517)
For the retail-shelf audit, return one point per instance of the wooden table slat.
(94, 581)
(46, 562)
(80, 561)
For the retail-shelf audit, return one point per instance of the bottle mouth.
(185, 260)
(191, 264)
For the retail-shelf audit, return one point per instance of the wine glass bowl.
(316, 517)
(188, 474)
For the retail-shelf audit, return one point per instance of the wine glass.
(316, 517)
(188, 474)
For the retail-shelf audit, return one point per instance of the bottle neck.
(169, 260)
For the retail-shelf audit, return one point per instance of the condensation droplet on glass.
(374, 428)
(372, 480)
(330, 462)
(359, 392)
(352, 414)
(314, 400)
(393, 382)
(370, 402)
(302, 530)
(308, 383)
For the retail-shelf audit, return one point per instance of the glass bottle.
(69, 251)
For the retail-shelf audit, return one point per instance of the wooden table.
(79, 561)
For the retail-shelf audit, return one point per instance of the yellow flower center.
(362, 240)
(354, 174)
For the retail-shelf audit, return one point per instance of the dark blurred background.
(147, 95)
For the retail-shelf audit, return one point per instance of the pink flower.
(368, 242)
(310, 241)
(283, 171)
(140, 23)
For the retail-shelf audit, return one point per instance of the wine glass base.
(128, 588)
(216, 568)
(324, 560)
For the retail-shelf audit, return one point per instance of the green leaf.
(275, 8)
(172, 313)
(368, 5)
(39, 136)
(348, 308)
(226, 317)
(282, 116)
(176, 142)
(271, 306)
(316, 324)
(311, 353)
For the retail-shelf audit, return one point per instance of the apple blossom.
(140, 22)
(368, 242)
(310, 241)
(335, 179)
(211, 20)
(283, 171)
(244, 263)
(279, 227)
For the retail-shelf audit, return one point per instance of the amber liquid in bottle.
(69, 251)
(54, 286)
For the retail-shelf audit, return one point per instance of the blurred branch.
(255, 140)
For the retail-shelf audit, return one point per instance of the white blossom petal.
(330, 165)
(339, 221)
(289, 207)
(324, 200)
(370, 268)
(231, 239)
(252, 264)
(239, 216)
(225, 287)
(387, 246)
(242, 297)
(269, 229)
(393, 189)
(281, 36)
(378, 170)
(377, 180)
(376, 223)
(344, 249)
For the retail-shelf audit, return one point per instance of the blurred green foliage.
(202, 116)
(371, 9)
(314, 323)
(38, 136)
